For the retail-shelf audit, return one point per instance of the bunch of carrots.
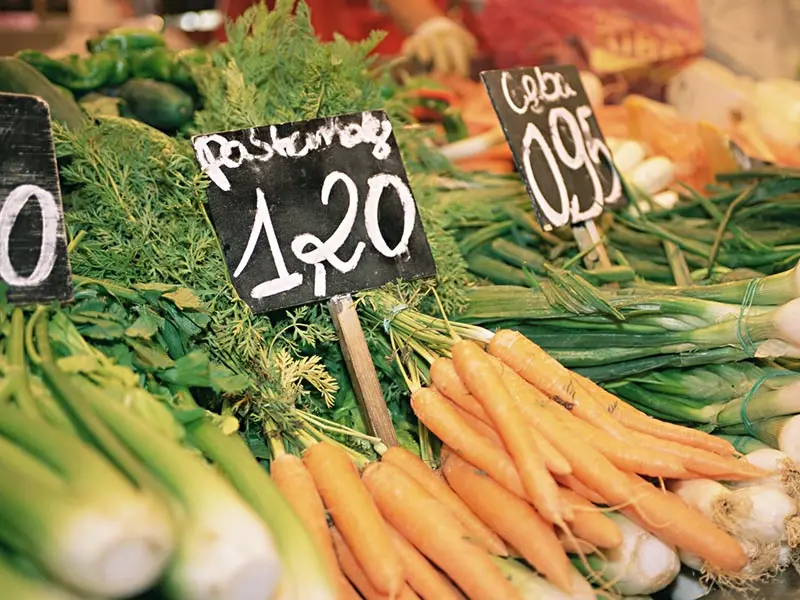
(533, 456)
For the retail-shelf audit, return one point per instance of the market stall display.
(564, 431)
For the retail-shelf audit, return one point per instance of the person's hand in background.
(433, 39)
(443, 44)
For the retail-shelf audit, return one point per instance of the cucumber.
(18, 77)
(159, 104)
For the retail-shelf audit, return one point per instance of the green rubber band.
(759, 382)
(742, 330)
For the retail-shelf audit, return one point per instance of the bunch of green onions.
(608, 334)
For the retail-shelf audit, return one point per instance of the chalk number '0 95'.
(589, 151)
(322, 252)
(14, 204)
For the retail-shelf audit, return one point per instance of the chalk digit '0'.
(378, 183)
(557, 217)
(48, 208)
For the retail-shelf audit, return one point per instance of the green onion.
(744, 443)
(532, 586)
(781, 433)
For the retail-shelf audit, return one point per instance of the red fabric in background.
(354, 19)
(526, 32)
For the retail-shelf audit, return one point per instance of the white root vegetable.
(666, 199)
(767, 512)
(653, 175)
(641, 565)
(687, 586)
(628, 155)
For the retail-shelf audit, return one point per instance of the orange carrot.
(589, 523)
(436, 487)
(485, 383)
(355, 573)
(434, 531)
(534, 364)
(589, 466)
(296, 484)
(451, 386)
(445, 379)
(675, 522)
(480, 427)
(571, 482)
(544, 372)
(575, 545)
(626, 456)
(355, 515)
(702, 462)
(423, 578)
(639, 421)
(441, 418)
(513, 518)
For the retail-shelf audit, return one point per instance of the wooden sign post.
(317, 210)
(559, 150)
(34, 265)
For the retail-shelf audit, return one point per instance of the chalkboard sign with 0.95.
(557, 145)
(34, 266)
(310, 210)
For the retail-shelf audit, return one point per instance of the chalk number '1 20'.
(309, 249)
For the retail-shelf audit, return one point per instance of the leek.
(19, 585)
(305, 576)
(66, 508)
(224, 551)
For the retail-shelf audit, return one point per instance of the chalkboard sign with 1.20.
(557, 145)
(313, 209)
(33, 250)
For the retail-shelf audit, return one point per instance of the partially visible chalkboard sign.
(557, 145)
(34, 265)
(310, 210)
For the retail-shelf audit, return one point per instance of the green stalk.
(743, 443)
(763, 404)
(495, 271)
(17, 365)
(225, 550)
(672, 406)
(517, 255)
(621, 370)
(305, 577)
(782, 433)
(17, 584)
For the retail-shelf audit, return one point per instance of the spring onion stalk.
(711, 383)
(532, 586)
(781, 433)
(641, 565)
(691, 408)
(305, 577)
(771, 290)
(17, 584)
(745, 444)
(70, 511)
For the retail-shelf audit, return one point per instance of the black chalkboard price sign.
(557, 145)
(317, 210)
(34, 266)
(313, 209)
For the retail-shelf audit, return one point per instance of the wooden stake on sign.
(362, 370)
(588, 237)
